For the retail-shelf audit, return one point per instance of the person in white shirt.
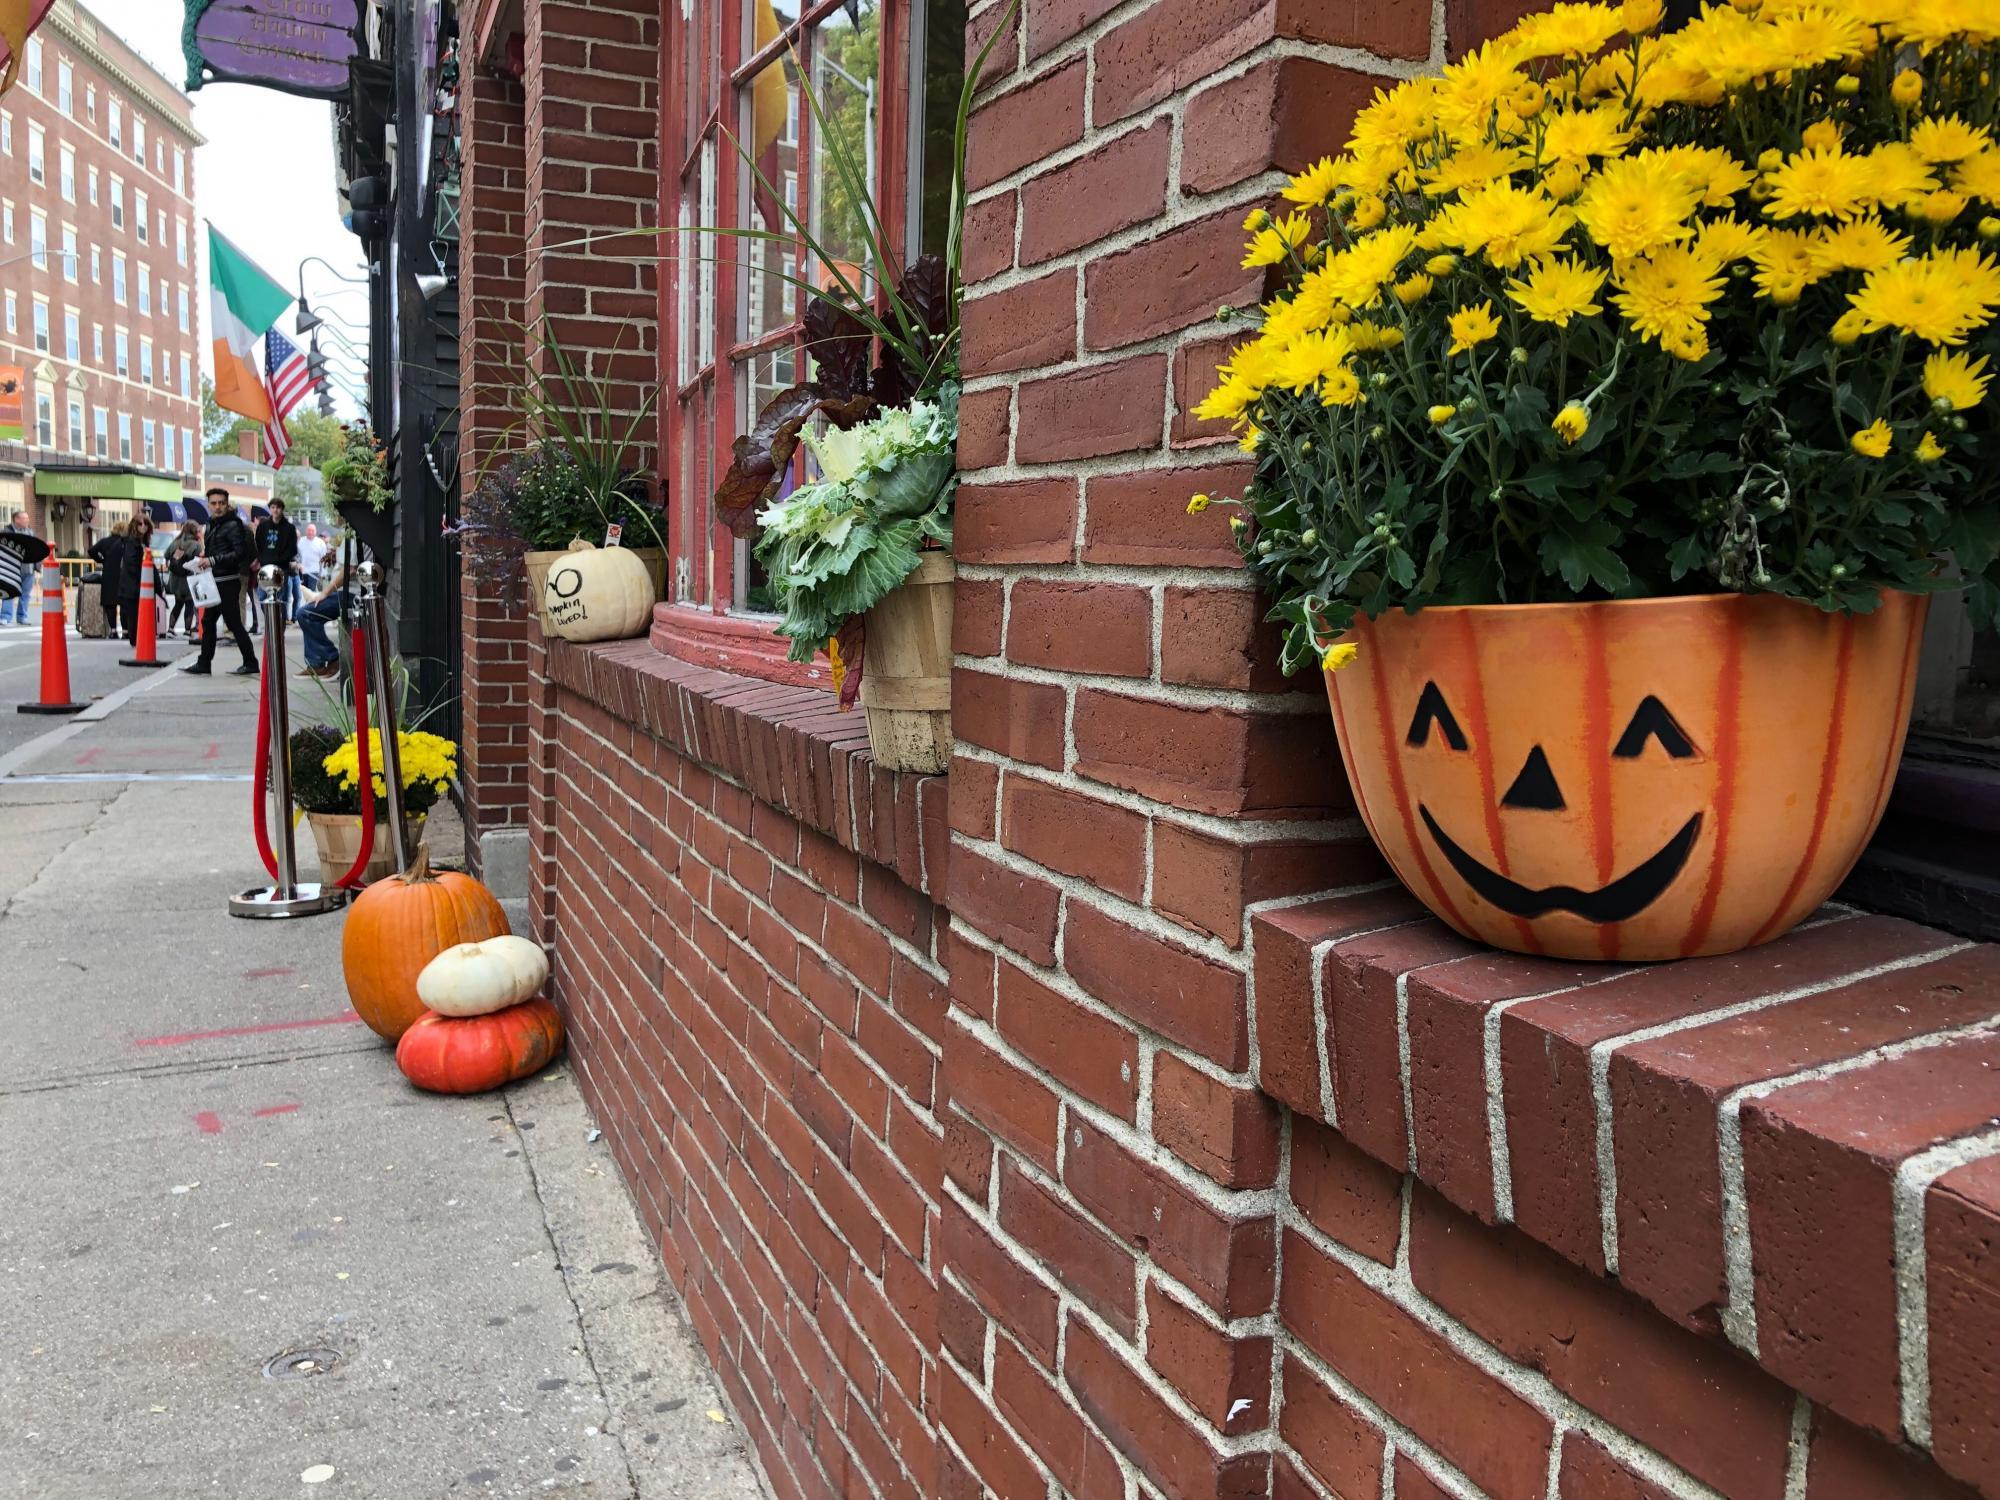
(306, 566)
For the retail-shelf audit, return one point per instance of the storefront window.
(745, 145)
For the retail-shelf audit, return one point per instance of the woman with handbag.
(180, 556)
(108, 552)
(138, 543)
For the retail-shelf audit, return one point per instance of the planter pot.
(376, 529)
(906, 671)
(338, 837)
(1643, 779)
(539, 563)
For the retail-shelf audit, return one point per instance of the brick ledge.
(789, 747)
(1727, 1137)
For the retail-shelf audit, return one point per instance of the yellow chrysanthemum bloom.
(1948, 139)
(1929, 449)
(1577, 135)
(1635, 204)
(1810, 35)
(1556, 290)
(1341, 388)
(1940, 207)
(1821, 135)
(1908, 88)
(1442, 414)
(1864, 244)
(1723, 242)
(1413, 289)
(1873, 440)
(1357, 274)
(1273, 244)
(1565, 180)
(1667, 293)
(1367, 212)
(1198, 504)
(1786, 264)
(1315, 185)
(1472, 326)
(1929, 298)
(1847, 328)
(1640, 16)
(1824, 184)
(1572, 422)
(1712, 172)
(1472, 88)
(1441, 265)
(1979, 176)
(1566, 31)
(1311, 358)
(1896, 174)
(1505, 224)
(1336, 657)
(1958, 380)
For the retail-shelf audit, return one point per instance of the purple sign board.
(299, 46)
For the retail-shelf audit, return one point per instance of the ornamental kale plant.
(1601, 313)
(837, 544)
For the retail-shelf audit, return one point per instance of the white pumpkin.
(598, 594)
(477, 979)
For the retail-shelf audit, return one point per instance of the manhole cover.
(300, 1363)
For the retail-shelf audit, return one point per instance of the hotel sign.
(298, 46)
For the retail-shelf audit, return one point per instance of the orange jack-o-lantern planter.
(1641, 779)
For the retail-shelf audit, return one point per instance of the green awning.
(106, 484)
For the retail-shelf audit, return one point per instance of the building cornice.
(62, 19)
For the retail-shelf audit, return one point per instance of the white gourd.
(477, 979)
(598, 594)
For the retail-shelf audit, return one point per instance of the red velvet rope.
(260, 780)
(358, 644)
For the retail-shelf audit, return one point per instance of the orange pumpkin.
(1639, 779)
(471, 1054)
(400, 924)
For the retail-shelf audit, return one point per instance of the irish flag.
(243, 303)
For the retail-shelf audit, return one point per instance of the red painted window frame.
(705, 629)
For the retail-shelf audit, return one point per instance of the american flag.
(287, 380)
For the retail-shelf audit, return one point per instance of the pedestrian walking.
(180, 556)
(278, 547)
(226, 552)
(108, 552)
(138, 543)
(15, 611)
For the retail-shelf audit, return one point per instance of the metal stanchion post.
(287, 898)
(375, 623)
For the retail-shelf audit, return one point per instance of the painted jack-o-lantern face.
(1633, 780)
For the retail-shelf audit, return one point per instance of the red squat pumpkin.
(471, 1054)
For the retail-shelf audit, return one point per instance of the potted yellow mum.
(326, 786)
(1617, 401)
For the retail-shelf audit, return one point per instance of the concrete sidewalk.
(238, 1248)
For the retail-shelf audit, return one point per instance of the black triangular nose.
(1535, 786)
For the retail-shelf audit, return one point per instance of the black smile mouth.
(1625, 897)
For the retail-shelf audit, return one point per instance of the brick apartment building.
(1096, 1120)
(100, 305)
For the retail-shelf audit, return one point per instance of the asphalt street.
(241, 1256)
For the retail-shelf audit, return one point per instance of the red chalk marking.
(267, 973)
(181, 1038)
(213, 752)
(90, 755)
(208, 1122)
(274, 1109)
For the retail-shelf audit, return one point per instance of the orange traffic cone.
(148, 642)
(55, 648)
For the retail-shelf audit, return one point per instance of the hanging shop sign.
(297, 46)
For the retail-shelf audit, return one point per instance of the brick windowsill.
(790, 747)
(746, 647)
(1753, 1143)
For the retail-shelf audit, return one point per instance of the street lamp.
(307, 319)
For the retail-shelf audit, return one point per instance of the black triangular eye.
(1652, 721)
(1431, 708)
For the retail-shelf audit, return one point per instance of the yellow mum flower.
(1311, 358)
(1557, 290)
(1472, 326)
(1413, 289)
(1908, 88)
(1315, 185)
(1367, 212)
(1640, 16)
(1565, 180)
(1979, 176)
(1786, 265)
(1198, 504)
(1873, 440)
(1948, 139)
(1712, 172)
(1825, 184)
(1572, 422)
(1936, 298)
(1929, 450)
(1271, 245)
(1848, 327)
(1356, 275)
(1342, 387)
(1566, 31)
(1810, 35)
(1958, 380)
(1864, 244)
(1336, 657)
(1722, 242)
(1666, 294)
(1576, 135)
(1896, 174)
(1441, 265)
(1442, 414)
(1506, 224)
(1940, 207)
(1636, 204)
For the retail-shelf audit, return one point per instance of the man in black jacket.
(278, 547)
(226, 552)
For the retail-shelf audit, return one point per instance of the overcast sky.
(265, 178)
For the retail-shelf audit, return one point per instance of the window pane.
(705, 247)
(846, 68)
(770, 107)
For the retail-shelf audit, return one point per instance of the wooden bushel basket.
(906, 670)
